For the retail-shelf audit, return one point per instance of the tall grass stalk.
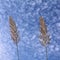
(44, 35)
(14, 34)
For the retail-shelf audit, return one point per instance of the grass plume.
(44, 35)
(14, 33)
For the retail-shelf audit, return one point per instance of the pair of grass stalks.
(43, 29)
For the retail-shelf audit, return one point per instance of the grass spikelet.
(44, 35)
(14, 33)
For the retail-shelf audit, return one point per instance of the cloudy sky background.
(26, 14)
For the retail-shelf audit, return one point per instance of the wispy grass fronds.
(44, 35)
(14, 33)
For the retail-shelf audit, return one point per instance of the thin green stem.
(46, 53)
(17, 51)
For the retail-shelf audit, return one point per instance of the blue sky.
(26, 14)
